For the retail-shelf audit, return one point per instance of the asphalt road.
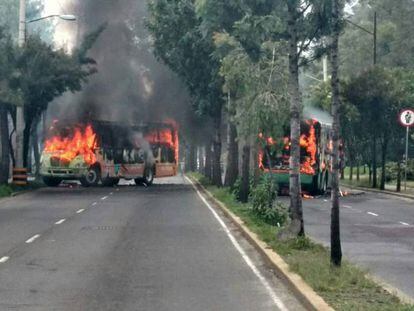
(128, 248)
(377, 233)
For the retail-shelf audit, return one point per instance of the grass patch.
(8, 190)
(344, 288)
(5, 191)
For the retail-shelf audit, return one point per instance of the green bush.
(263, 198)
(391, 170)
(5, 191)
(204, 180)
(236, 188)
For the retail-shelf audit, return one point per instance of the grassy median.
(345, 288)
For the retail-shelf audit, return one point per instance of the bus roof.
(317, 114)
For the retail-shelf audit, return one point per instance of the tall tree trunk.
(29, 162)
(398, 176)
(255, 154)
(245, 184)
(208, 168)
(351, 171)
(296, 227)
(342, 171)
(358, 173)
(232, 170)
(26, 143)
(36, 152)
(200, 153)
(193, 158)
(5, 147)
(365, 169)
(369, 174)
(217, 178)
(374, 163)
(383, 162)
(336, 249)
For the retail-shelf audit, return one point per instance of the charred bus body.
(315, 156)
(104, 152)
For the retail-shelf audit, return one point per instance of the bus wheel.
(52, 181)
(149, 176)
(92, 177)
(139, 181)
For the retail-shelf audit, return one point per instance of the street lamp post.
(19, 171)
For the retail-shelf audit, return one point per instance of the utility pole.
(372, 33)
(19, 109)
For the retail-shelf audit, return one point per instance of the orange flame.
(307, 141)
(165, 136)
(68, 148)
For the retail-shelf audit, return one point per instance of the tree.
(45, 73)
(336, 251)
(180, 43)
(299, 23)
(395, 39)
(376, 92)
(7, 99)
(307, 23)
(258, 95)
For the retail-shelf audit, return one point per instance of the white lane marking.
(104, 198)
(60, 221)
(347, 206)
(31, 240)
(246, 258)
(80, 211)
(372, 214)
(94, 203)
(325, 200)
(111, 193)
(4, 259)
(404, 223)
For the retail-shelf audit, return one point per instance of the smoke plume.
(131, 86)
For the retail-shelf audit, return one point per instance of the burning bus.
(315, 156)
(104, 152)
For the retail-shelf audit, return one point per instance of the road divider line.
(104, 198)
(80, 211)
(372, 214)
(347, 206)
(278, 302)
(404, 223)
(60, 221)
(111, 193)
(94, 203)
(4, 259)
(33, 238)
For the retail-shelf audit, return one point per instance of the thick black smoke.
(131, 86)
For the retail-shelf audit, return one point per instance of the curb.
(404, 298)
(306, 295)
(396, 194)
